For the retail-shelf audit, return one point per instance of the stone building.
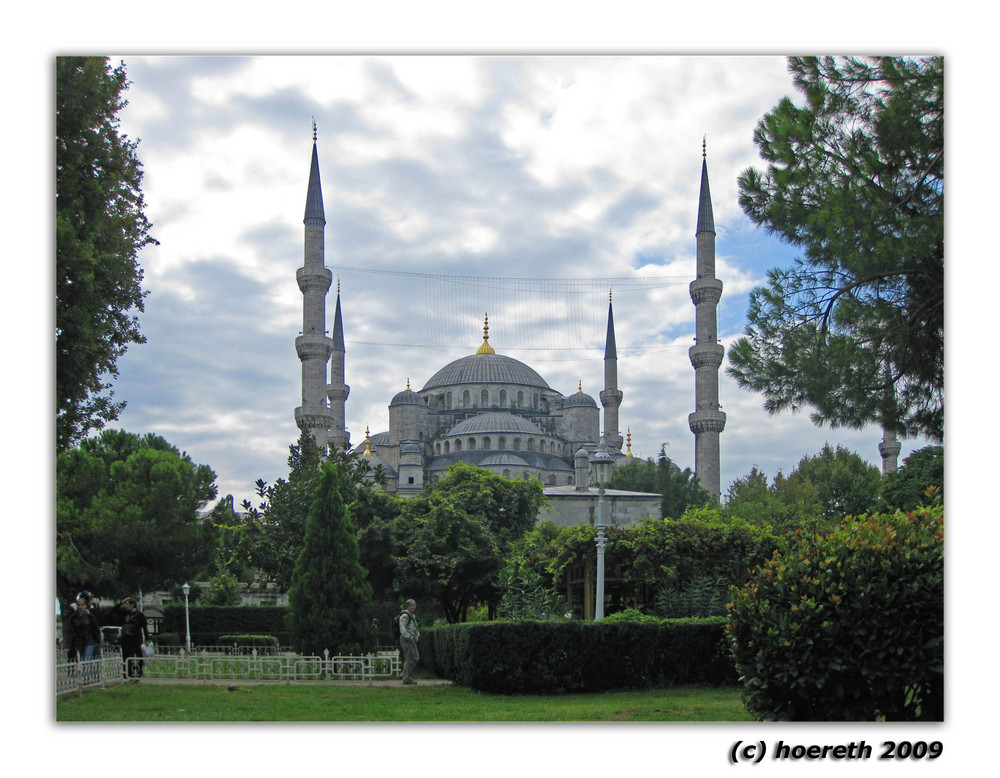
(496, 412)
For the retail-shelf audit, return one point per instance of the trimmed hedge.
(209, 623)
(546, 657)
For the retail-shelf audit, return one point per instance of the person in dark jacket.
(83, 632)
(134, 635)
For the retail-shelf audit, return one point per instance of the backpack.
(396, 634)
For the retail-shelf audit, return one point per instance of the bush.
(847, 627)
(267, 642)
(547, 657)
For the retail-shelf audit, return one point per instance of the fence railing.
(207, 666)
(102, 671)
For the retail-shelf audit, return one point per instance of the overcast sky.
(583, 170)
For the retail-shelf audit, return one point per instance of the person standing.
(83, 632)
(134, 635)
(409, 636)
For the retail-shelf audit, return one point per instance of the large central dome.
(485, 368)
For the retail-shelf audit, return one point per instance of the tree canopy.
(100, 229)
(855, 178)
(679, 488)
(127, 515)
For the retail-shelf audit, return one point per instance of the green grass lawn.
(179, 703)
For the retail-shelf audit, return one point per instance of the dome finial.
(704, 141)
(314, 129)
(368, 449)
(628, 437)
(408, 384)
(486, 348)
(579, 388)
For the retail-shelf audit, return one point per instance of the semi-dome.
(503, 459)
(495, 422)
(485, 368)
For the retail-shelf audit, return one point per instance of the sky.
(451, 184)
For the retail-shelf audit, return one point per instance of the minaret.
(707, 421)
(337, 390)
(314, 346)
(889, 448)
(611, 396)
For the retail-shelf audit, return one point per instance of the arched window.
(541, 446)
(447, 400)
(472, 444)
(447, 447)
(503, 398)
(466, 399)
(484, 398)
(506, 473)
(517, 444)
(486, 443)
(552, 480)
(534, 400)
(502, 444)
(437, 448)
(531, 444)
(520, 399)
(458, 445)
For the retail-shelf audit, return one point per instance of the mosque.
(496, 412)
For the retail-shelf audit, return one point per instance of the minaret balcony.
(705, 290)
(707, 421)
(311, 417)
(611, 398)
(314, 279)
(706, 355)
(338, 393)
(313, 346)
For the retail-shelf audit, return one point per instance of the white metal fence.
(208, 666)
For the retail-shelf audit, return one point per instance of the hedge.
(211, 622)
(545, 657)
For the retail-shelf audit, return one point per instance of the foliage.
(449, 542)
(222, 620)
(849, 626)
(525, 595)
(330, 597)
(783, 504)
(543, 657)
(703, 595)
(908, 487)
(100, 229)
(855, 177)
(223, 589)
(270, 535)
(679, 488)
(127, 515)
(845, 484)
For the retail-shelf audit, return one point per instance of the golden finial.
(486, 348)
(368, 442)
(628, 437)
(407, 384)
(579, 388)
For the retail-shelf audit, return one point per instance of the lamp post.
(601, 464)
(187, 618)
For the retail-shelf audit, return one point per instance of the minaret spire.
(611, 396)
(708, 420)
(313, 345)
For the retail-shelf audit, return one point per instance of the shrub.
(847, 627)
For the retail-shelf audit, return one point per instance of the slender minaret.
(337, 390)
(611, 396)
(314, 346)
(707, 421)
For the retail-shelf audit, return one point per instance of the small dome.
(410, 448)
(580, 400)
(407, 397)
(493, 423)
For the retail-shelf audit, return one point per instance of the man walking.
(134, 635)
(409, 635)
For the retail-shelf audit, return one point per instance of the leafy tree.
(273, 532)
(330, 599)
(526, 595)
(786, 504)
(920, 480)
(127, 514)
(100, 229)
(223, 588)
(680, 488)
(845, 484)
(855, 177)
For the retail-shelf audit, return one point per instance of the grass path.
(278, 703)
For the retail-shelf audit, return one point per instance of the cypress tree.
(330, 599)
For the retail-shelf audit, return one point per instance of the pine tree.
(330, 599)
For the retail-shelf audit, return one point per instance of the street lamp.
(601, 464)
(187, 618)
